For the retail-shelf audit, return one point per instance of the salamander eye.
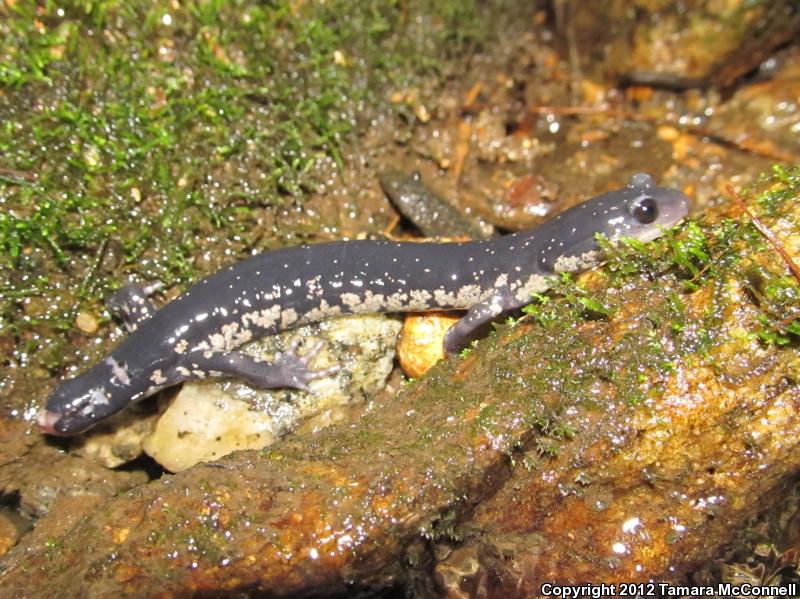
(645, 210)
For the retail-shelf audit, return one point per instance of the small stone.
(9, 533)
(593, 92)
(34, 306)
(119, 439)
(86, 322)
(421, 341)
(204, 423)
(668, 133)
(91, 156)
(213, 417)
(421, 112)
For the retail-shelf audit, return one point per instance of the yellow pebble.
(420, 345)
(668, 133)
(421, 112)
(86, 323)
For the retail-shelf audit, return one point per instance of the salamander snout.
(72, 408)
(47, 421)
(79, 403)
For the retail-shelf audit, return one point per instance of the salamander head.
(641, 210)
(79, 403)
(648, 209)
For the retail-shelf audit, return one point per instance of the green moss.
(446, 527)
(776, 188)
(486, 421)
(138, 136)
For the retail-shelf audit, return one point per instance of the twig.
(462, 147)
(741, 145)
(15, 177)
(762, 228)
(597, 109)
(784, 324)
(10, 172)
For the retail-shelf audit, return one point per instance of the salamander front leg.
(287, 369)
(471, 325)
(132, 305)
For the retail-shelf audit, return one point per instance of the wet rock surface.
(633, 429)
(701, 43)
(651, 505)
(39, 474)
(209, 419)
(120, 439)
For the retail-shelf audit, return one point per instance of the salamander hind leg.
(472, 325)
(286, 370)
(132, 305)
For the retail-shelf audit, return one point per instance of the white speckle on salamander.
(420, 299)
(264, 319)
(461, 299)
(396, 301)
(534, 284)
(577, 263)
(373, 302)
(351, 300)
(322, 311)
(469, 295)
(314, 286)
(501, 281)
(216, 341)
(244, 336)
(158, 378)
(99, 398)
(119, 371)
(288, 318)
(444, 298)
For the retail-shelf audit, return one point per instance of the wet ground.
(195, 145)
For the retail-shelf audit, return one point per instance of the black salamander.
(197, 334)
